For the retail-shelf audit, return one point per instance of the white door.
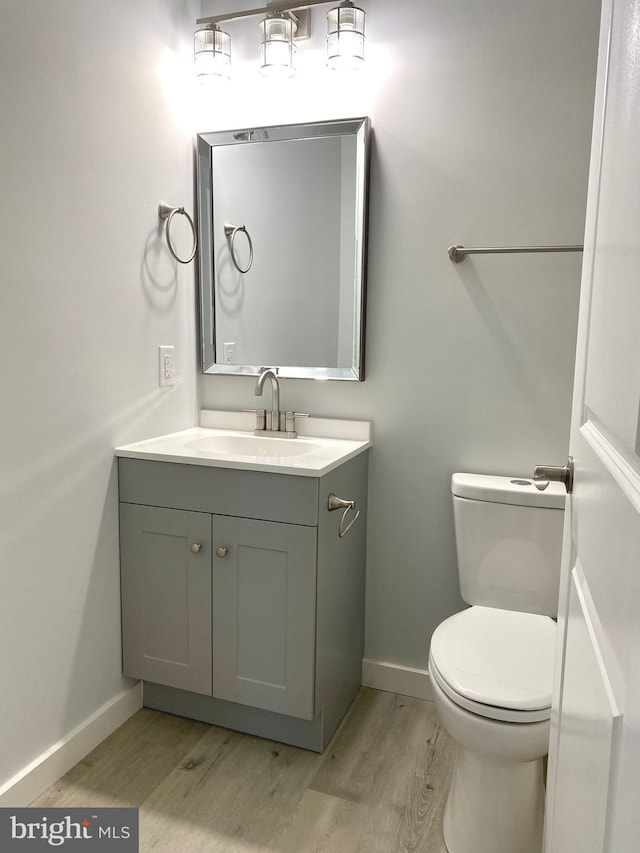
(593, 799)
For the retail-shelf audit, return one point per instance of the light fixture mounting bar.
(263, 10)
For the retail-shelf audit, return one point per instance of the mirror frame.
(205, 146)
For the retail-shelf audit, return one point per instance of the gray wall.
(91, 143)
(482, 120)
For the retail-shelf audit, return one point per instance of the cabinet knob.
(196, 548)
(222, 551)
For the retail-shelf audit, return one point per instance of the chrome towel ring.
(231, 231)
(165, 211)
(333, 503)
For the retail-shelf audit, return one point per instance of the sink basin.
(230, 446)
(253, 446)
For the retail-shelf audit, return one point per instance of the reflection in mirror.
(282, 221)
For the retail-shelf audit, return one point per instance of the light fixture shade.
(212, 53)
(345, 37)
(276, 46)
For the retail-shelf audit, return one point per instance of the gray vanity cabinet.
(264, 599)
(166, 596)
(241, 605)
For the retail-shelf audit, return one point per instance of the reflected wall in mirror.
(282, 216)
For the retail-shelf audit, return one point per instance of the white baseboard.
(48, 767)
(397, 679)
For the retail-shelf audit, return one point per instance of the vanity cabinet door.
(264, 594)
(166, 596)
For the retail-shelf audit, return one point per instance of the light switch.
(167, 366)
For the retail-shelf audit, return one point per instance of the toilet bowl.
(491, 666)
(491, 673)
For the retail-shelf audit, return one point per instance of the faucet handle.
(260, 418)
(290, 420)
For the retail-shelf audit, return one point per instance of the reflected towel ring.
(231, 231)
(165, 211)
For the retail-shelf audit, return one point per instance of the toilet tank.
(508, 542)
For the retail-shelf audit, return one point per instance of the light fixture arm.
(284, 6)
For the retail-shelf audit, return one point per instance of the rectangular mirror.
(282, 222)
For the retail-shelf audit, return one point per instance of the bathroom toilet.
(491, 666)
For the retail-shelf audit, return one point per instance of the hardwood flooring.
(379, 787)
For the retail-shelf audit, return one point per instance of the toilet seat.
(491, 712)
(496, 663)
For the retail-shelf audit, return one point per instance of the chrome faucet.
(270, 373)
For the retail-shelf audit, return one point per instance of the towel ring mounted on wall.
(165, 211)
(231, 230)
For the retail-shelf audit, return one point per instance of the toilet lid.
(499, 658)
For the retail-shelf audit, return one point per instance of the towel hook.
(231, 230)
(165, 211)
(334, 503)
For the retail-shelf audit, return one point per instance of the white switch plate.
(229, 352)
(166, 365)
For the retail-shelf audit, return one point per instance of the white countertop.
(309, 455)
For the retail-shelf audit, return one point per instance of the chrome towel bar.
(458, 253)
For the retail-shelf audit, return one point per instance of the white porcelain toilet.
(491, 665)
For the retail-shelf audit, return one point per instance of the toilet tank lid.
(519, 491)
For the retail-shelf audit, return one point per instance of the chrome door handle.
(222, 552)
(544, 474)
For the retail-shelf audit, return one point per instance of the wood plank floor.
(379, 786)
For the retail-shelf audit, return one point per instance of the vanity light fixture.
(276, 46)
(212, 52)
(345, 37)
(278, 29)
